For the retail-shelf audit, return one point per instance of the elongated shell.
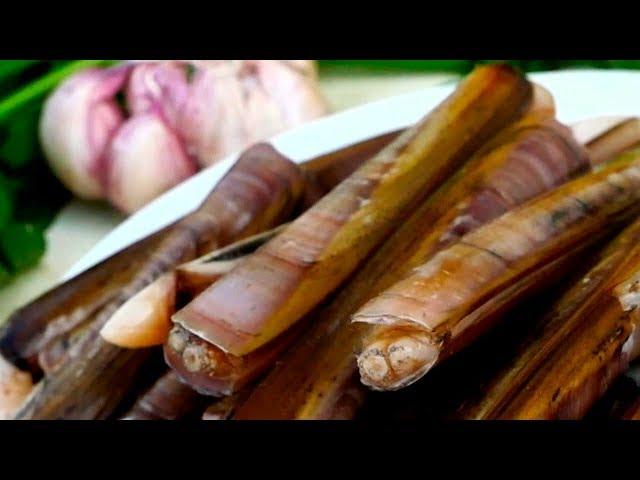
(291, 274)
(319, 373)
(92, 378)
(145, 319)
(583, 367)
(195, 276)
(622, 136)
(426, 313)
(212, 372)
(70, 305)
(559, 323)
(583, 357)
(223, 408)
(60, 310)
(167, 399)
(633, 413)
(71, 308)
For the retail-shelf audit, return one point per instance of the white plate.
(579, 94)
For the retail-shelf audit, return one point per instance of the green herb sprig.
(30, 195)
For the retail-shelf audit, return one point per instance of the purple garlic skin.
(77, 122)
(162, 86)
(146, 157)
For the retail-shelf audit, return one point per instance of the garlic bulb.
(181, 114)
(77, 123)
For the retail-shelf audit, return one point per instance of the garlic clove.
(235, 103)
(145, 158)
(213, 120)
(145, 319)
(162, 85)
(78, 120)
(263, 116)
(297, 95)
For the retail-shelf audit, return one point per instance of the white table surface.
(80, 224)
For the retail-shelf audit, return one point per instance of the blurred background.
(73, 133)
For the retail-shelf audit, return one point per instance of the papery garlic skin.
(163, 86)
(77, 122)
(145, 158)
